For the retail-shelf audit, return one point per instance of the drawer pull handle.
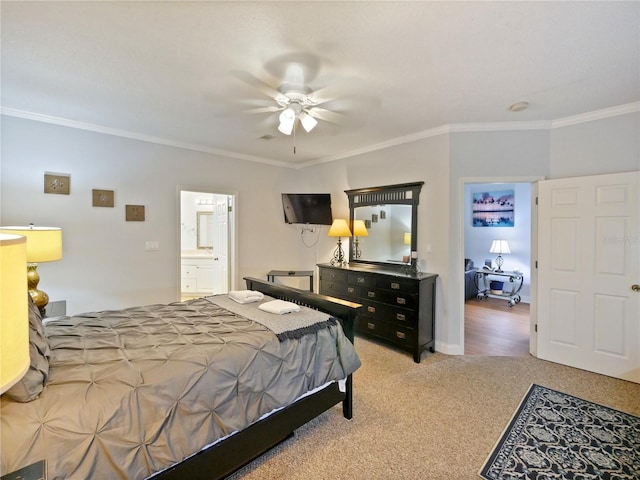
(400, 317)
(401, 335)
(371, 294)
(395, 286)
(360, 279)
(351, 289)
(401, 301)
(371, 326)
(371, 309)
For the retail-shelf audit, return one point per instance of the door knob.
(635, 287)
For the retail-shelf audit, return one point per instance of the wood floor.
(491, 327)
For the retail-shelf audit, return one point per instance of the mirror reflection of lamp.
(339, 228)
(407, 241)
(359, 230)
(44, 244)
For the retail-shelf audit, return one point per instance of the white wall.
(604, 146)
(105, 266)
(104, 263)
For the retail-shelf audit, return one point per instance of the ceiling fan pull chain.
(294, 138)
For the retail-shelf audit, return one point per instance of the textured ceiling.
(181, 72)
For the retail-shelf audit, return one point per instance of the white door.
(220, 245)
(588, 273)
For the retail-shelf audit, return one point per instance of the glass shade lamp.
(44, 244)
(14, 311)
(499, 247)
(359, 230)
(339, 228)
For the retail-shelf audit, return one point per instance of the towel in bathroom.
(245, 296)
(279, 306)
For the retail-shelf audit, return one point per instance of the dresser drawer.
(399, 298)
(339, 289)
(397, 284)
(402, 336)
(361, 280)
(372, 326)
(389, 313)
(330, 274)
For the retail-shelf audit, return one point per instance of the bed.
(185, 390)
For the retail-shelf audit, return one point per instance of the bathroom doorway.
(206, 227)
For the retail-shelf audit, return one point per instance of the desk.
(291, 273)
(483, 281)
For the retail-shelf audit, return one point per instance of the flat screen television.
(311, 208)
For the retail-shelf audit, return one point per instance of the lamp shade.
(359, 229)
(44, 244)
(307, 121)
(499, 246)
(339, 228)
(14, 311)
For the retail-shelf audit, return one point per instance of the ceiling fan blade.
(326, 94)
(269, 109)
(326, 115)
(256, 83)
(298, 68)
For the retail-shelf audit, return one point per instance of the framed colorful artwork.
(493, 209)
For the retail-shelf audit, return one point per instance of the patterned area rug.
(558, 436)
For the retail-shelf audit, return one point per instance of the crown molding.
(596, 115)
(38, 117)
(405, 139)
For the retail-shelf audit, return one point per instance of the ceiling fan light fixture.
(286, 127)
(287, 119)
(307, 121)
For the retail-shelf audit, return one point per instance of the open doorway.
(206, 221)
(499, 223)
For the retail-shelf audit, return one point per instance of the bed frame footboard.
(233, 453)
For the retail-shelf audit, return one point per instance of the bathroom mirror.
(204, 229)
(390, 215)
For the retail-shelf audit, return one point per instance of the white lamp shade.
(286, 127)
(339, 228)
(14, 311)
(499, 246)
(359, 229)
(308, 122)
(44, 244)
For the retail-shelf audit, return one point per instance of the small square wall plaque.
(59, 183)
(103, 198)
(134, 213)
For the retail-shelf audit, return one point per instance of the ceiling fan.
(294, 99)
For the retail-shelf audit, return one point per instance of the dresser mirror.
(390, 216)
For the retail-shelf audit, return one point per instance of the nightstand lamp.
(14, 311)
(359, 230)
(44, 244)
(339, 228)
(499, 247)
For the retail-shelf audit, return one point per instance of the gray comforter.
(134, 391)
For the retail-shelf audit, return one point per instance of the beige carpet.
(435, 420)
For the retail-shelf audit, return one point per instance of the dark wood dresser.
(398, 308)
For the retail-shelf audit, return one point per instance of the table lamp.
(14, 311)
(339, 228)
(44, 244)
(359, 230)
(499, 247)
